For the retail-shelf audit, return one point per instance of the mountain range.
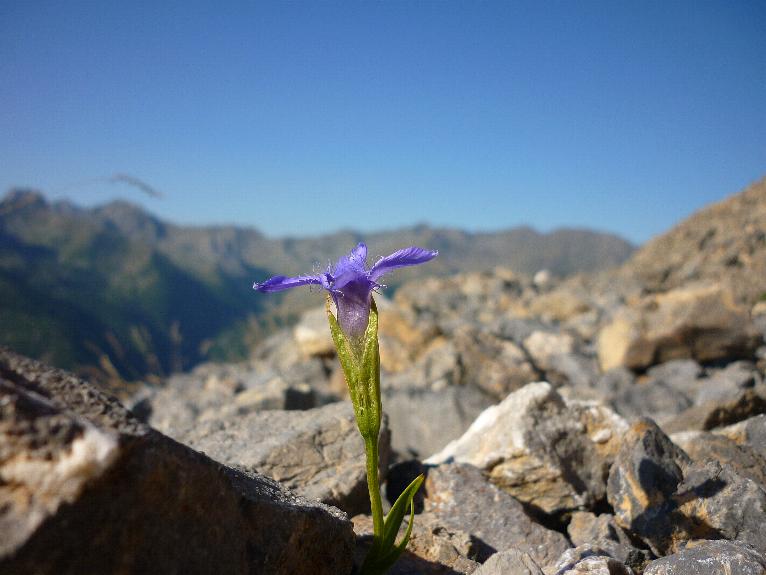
(116, 293)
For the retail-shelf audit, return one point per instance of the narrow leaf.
(380, 560)
(394, 518)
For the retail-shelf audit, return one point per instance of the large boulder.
(701, 322)
(550, 454)
(318, 453)
(87, 488)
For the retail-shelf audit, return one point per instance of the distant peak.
(18, 198)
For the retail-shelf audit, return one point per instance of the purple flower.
(350, 283)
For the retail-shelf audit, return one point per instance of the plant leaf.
(394, 518)
(381, 559)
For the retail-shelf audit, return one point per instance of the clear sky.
(305, 117)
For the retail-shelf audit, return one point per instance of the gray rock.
(711, 558)
(452, 410)
(494, 365)
(743, 404)
(511, 562)
(716, 502)
(543, 346)
(319, 453)
(642, 481)
(661, 496)
(704, 446)
(460, 498)
(750, 432)
(722, 384)
(549, 454)
(214, 392)
(664, 392)
(87, 488)
(576, 370)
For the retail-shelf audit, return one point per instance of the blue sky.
(305, 117)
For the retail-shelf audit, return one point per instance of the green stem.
(371, 448)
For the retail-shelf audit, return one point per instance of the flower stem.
(371, 449)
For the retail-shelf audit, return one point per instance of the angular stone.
(742, 405)
(432, 550)
(492, 364)
(655, 394)
(547, 453)
(510, 562)
(87, 488)
(461, 499)
(703, 446)
(213, 392)
(702, 322)
(319, 453)
(716, 502)
(711, 558)
(750, 432)
(642, 481)
(722, 384)
(543, 346)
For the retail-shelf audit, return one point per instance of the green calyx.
(360, 360)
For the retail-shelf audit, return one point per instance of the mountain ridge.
(115, 290)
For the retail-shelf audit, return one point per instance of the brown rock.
(86, 488)
(702, 322)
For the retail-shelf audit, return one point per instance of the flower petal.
(400, 258)
(351, 267)
(355, 261)
(279, 283)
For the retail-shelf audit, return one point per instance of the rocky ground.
(609, 424)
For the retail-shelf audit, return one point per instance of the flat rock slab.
(318, 453)
(462, 499)
(86, 488)
(711, 558)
